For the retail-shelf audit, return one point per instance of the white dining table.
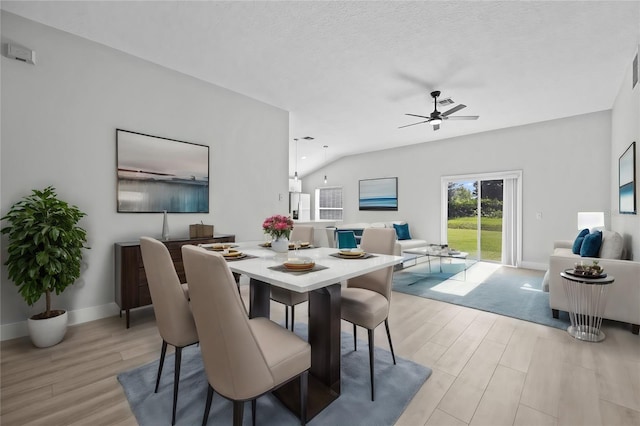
(337, 269)
(324, 288)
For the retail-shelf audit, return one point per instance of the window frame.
(317, 208)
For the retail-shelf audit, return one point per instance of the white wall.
(625, 119)
(58, 128)
(565, 163)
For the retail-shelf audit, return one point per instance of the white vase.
(280, 245)
(47, 332)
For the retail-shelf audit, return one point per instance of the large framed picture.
(379, 194)
(627, 180)
(157, 174)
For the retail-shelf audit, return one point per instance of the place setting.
(300, 245)
(227, 251)
(298, 265)
(352, 253)
(218, 246)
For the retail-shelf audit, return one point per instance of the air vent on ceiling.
(445, 101)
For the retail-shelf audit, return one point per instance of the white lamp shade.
(590, 220)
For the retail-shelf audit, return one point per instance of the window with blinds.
(328, 203)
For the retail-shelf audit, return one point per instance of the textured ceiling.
(349, 71)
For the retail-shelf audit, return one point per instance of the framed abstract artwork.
(627, 181)
(379, 194)
(159, 174)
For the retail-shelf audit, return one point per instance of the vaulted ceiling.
(349, 71)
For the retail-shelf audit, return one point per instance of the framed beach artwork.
(158, 174)
(379, 194)
(627, 180)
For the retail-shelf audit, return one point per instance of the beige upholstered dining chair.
(243, 358)
(303, 233)
(366, 299)
(170, 305)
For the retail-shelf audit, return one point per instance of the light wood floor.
(487, 370)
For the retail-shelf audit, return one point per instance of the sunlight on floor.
(476, 274)
(529, 287)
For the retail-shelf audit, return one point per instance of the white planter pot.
(48, 332)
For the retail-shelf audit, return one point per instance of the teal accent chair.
(346, 239)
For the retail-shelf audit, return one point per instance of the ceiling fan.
(437, 117)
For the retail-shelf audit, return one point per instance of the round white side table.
(587, 298)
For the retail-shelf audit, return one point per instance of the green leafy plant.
(45, 246)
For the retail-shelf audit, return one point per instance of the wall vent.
(445, 101)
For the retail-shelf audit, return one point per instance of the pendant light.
(325, 162)
(295, 175)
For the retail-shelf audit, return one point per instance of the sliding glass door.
(476, 219)
(462, 217)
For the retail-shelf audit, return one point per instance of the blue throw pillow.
(577, 244)
(591, 245)
(402, 231)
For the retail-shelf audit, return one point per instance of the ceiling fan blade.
(454, 109)
(422, 122)
(462, 117)
(421, 116)
(436, 127)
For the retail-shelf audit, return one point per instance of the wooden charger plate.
(299, 266)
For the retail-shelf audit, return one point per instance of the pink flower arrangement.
(278, 226)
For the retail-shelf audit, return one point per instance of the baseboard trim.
(19, 329)
(535, 265)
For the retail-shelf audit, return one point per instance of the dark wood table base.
(324, 338)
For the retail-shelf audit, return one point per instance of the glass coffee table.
(435, 251)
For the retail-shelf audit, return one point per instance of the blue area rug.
(511, 292)
(395, 387)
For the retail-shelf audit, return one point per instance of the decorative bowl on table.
(581, 269)
(593, 270)
(299, 264)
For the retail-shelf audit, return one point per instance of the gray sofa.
(623, 298)
(401, 245)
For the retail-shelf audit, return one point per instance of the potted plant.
(45, 254)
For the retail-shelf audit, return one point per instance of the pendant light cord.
(295, 175)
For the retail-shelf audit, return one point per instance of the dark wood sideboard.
(132, 290)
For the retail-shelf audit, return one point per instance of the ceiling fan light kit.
(436, 117)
